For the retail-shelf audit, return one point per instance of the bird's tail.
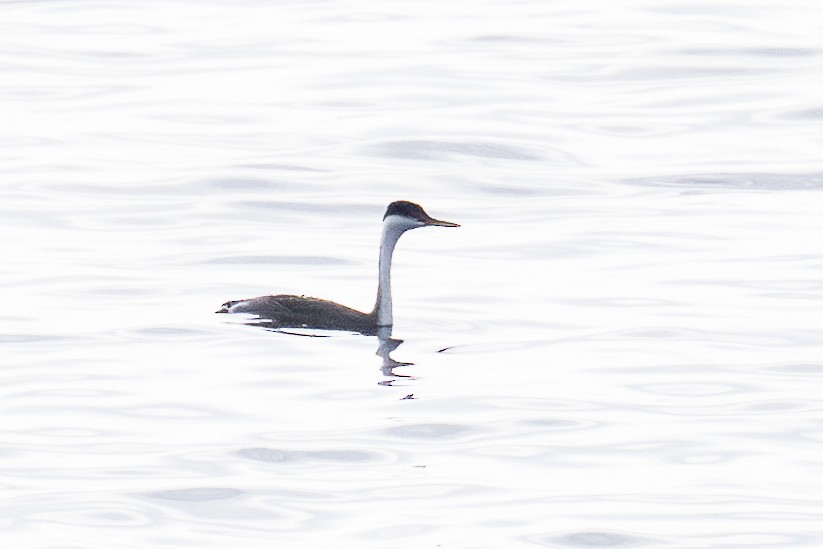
(224, 308)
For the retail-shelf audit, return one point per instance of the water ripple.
(738, 181)
(439, 150)
(594, 538)
(271, 455)
(196, 494)
(280, 260)
(430, 431)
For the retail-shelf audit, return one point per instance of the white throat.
(393, 227)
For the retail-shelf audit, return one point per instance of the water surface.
(620, 347)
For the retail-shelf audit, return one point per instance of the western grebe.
(291, 311)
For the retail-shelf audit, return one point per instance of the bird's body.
(297, 311)
(291, 311)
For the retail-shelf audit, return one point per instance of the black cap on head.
(411, 210)
(406, 209)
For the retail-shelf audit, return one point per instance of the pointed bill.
(440, 223)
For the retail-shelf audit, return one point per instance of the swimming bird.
(292, 311)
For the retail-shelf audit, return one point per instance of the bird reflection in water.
(385, 344)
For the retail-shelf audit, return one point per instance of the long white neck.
(393, 227)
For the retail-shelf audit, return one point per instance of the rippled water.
(621, 347)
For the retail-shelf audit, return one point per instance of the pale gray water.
(629, 318)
